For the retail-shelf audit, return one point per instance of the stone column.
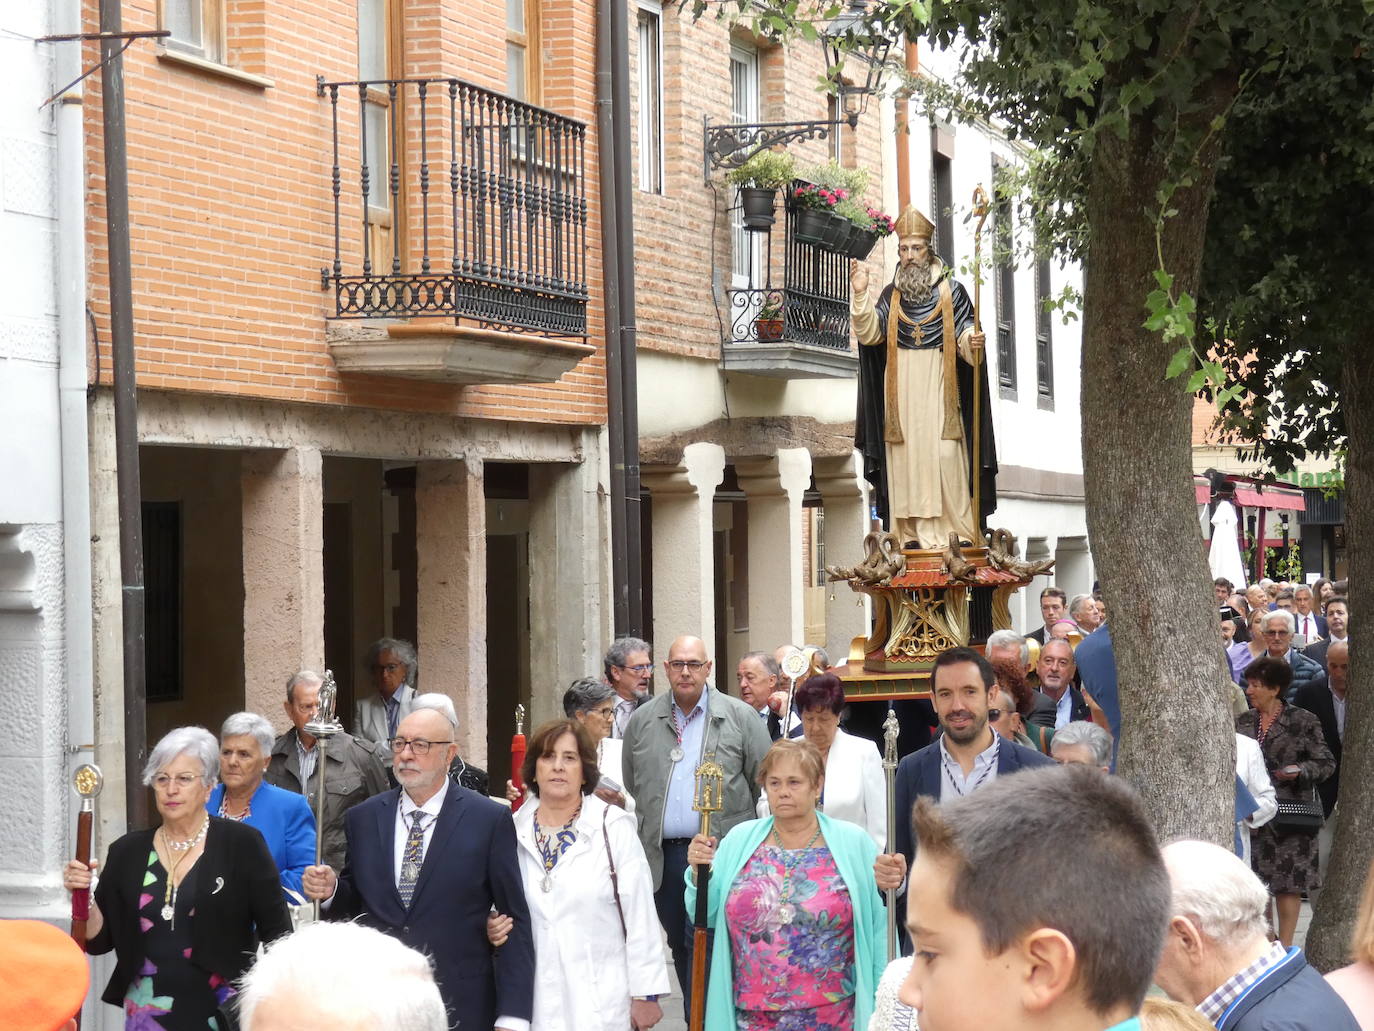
(682, 496)
(773, 488)
(844, 495)
(283, 573)
(451, 549)
(570, 603)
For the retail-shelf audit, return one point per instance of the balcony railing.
(813, 294)
(469, 204)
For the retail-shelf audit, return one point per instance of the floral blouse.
(806, 962)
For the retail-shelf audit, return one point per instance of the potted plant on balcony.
(768, 325)
(758, 181)
(845, 184)
(814, 205)
(858, 238)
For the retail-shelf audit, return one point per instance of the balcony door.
(379, 58)
(746, 255)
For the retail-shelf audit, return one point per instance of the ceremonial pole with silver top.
(324, 726)
(890, 731)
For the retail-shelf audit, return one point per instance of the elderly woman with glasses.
(282, 817)
(183, 905)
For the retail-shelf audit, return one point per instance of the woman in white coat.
(855, 790)
(590, 894)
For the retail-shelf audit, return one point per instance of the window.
(1044, 350)
(746, 255)
(1004, 278)
(377, 24)
(162, 596)
(942, 191)
(522, 50)
(650, 100)
(196, 27)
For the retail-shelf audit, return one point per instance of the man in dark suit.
(426, 864)
(1057, 673)
(968, 755)
(1053, 603)
(1009, 646)
(1311, 626)
(1337, 627)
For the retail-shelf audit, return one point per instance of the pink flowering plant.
(809, 197)
(881, 223)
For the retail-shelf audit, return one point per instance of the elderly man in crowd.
(628, 667)
(757, 676)
(1055, 670)
(1083, 611)
(1084, 743)
(1277, 628)
(1337, 629)
(1218, 957)
(427, 863)
(393, 667)
(365, 980)
(352, 774)
(1009, 646)
(664, 744)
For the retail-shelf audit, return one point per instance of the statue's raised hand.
(858, 278)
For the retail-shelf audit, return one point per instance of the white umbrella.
(1224, 556)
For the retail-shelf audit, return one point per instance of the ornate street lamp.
(855, 34)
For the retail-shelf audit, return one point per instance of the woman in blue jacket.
(282, 817)
(799, 923)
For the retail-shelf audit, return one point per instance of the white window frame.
(212, 45)
(652, 156)
(746, 254)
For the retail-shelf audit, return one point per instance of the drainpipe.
(125, 415)
(78, 627)
(618, 291)
(903, 110)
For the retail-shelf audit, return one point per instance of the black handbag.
(1302, 816)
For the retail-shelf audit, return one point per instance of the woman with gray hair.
(282, 817)
(183, 905)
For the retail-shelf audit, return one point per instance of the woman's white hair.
(440, 703)
(372, 979)
(1094, 738)
(197, 742)
(1215, 889)
(249, 724)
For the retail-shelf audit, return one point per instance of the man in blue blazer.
(426, 864)
(966, 756)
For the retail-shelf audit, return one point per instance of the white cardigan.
(855, 790)
(587, 969)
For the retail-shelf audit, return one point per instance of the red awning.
(1249, 497)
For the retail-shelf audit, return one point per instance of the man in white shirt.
(1310, 625)
(1056, 669)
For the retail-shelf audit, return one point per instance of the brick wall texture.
(231, 206)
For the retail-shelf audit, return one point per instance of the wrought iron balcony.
(454, 202)
(810, 336)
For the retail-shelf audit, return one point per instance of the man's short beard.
(913, 281)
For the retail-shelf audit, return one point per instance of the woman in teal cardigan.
(800, 925)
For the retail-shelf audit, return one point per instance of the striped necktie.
(412, 857)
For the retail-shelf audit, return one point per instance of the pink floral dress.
(797, 974)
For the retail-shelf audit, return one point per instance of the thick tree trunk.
(1328, 939)
(1177, 744)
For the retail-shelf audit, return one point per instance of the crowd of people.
(553, 917)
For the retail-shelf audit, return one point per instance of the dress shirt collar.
(431, 807)
(1215, 1005)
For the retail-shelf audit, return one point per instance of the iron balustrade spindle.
(517, 207)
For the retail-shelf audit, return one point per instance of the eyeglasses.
(182, 780)
(678, 665)
(390, 667)
(418, 745)
(643, 667)
(604, 711)
(994, 715)
(1277, 633)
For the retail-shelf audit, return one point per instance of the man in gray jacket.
(352, 773)
(668, 737)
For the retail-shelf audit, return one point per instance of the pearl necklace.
(169, 897)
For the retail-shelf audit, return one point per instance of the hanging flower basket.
(861, 243)
(836, 235)
(758, 207)
(811, 225)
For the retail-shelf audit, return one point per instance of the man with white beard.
(916, 387)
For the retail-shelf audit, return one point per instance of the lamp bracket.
(732, 144)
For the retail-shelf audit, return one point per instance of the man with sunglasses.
(668, 737)
(427, 863)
